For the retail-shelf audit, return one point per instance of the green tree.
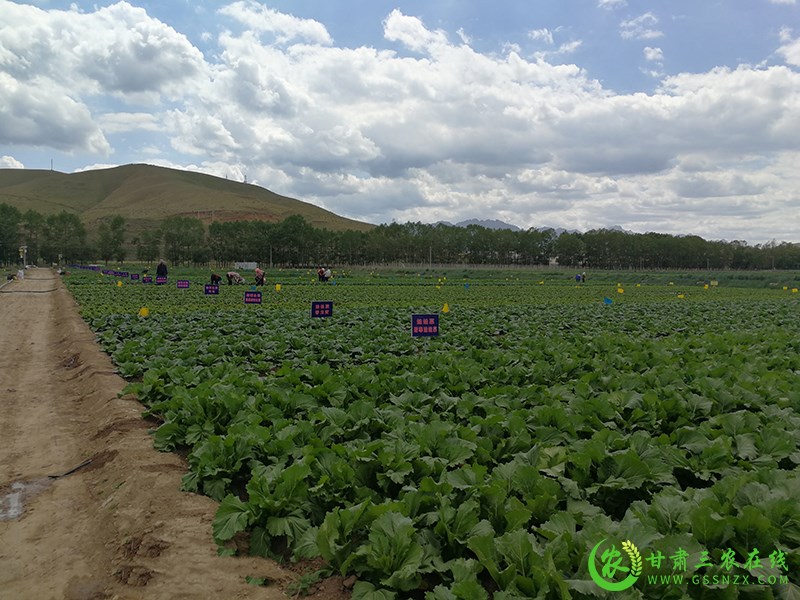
(105, 244)
(183, 238)
(10, 219)
(569, 249)
(65, 238)
(33, 227)
(118, 237)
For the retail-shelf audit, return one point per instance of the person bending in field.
(234, 278)
(259, 276)
(161, 269)
(215, 279)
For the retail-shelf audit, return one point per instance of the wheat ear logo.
(612, 564)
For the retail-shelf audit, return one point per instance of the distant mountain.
(488, 223)
(146, 194)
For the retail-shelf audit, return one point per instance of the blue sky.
(677, 117)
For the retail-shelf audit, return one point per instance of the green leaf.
(306, 546)
(363, 590)
(232, 517)
(394, 552)
(260, 542)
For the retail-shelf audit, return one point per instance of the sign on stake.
(322, 309)
(424, 325)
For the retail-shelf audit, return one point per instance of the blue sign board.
(183, 284)
(424, 325)
(134, 276)
(322, 309)
(147, 279)
(211, 290)
(161, 280)
(252, 297)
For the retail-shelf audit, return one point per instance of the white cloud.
(783, 1)
(569, 47)
(117, 122)
(411, 32)
(611, 4)
(42, 114)
(790, 50)
(640, 28)
(544, 35)
(286, 28)
(9, 162)
(433, 129)
(653, 54)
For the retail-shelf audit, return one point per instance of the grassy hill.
(146, 194)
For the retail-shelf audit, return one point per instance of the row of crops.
(489, 461)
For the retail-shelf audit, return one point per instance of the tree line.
(294, 242)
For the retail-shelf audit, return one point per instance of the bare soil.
(119, 527)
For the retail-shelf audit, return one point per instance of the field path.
(118, 527)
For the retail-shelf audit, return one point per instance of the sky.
(679, 116)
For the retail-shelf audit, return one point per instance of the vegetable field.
(489, 461)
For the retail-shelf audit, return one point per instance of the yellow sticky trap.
(671, 283)
(541, 282)
(620, 290)
(705, 287)
(445, 308)
(638, 285)
(144, 311)
(681, 296)
(794, 290)
(277, 287)
(119, 284)
(786, 287)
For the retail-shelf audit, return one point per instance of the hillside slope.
(144, 194)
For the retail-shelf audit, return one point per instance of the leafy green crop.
(487, 462)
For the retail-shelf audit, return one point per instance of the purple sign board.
(134, 277)
(147, 279)
(183, 284)
(123, 273)
(161, 280)
(252, 297)
(321, 309)
(424, 325)
(211, 290)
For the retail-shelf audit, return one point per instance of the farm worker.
(321, 274)
(161, 269)
(234, 277)
(578, 278)
(328, 274)
(215, 279)
(259, 276)
(583, 277)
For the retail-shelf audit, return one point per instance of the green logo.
(613, 568)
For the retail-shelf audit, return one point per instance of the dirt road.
(118, 527)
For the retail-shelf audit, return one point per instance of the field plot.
(554, 441)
